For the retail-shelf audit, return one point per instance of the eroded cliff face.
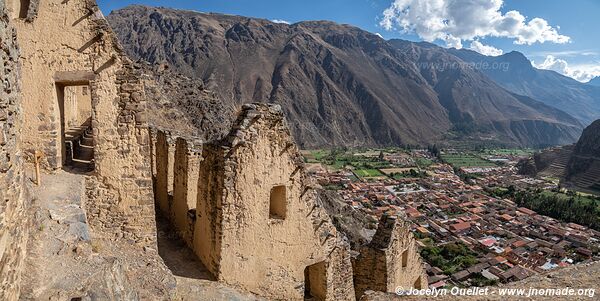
(14, 200)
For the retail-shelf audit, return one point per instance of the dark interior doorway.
(76, 132)
(23, 8)
(315, 282)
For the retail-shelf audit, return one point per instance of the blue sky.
(569, 43)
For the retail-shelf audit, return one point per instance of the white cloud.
(485, 49)
(279, 21)
(454, 21)
(582, 73)
(567, 53)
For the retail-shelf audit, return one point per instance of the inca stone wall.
(234, 233)
(187, 157)
(249, 211)
(14, 222)
(268, 254)
(176, 163)
(69, 43)
(390, 261)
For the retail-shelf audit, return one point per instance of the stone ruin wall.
(66, 43)
(14, 201)
(228, 231)
(390, 261)
(175, 171)
(264, 254)
(233, 234)
(217, 197)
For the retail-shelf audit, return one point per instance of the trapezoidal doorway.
(315, 282)
(76, 133)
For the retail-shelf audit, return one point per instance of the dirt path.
(194, 281)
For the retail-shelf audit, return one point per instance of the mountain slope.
(514, 72)
(584, 167)
(338, 85)
(595, 81)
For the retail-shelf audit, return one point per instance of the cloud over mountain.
(582, 73)
(485, 49)
(454, 21)
(279, 21)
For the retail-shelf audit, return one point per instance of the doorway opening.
(20, 9)
(417, 284)
(315, 282)
(76, 132)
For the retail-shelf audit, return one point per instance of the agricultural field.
(509, 152)
(368, 173)
(423, 162)
(466, 160)
(389, 171)
(314, 156)
(339, 159)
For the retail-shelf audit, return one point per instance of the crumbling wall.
(176, 161)
(161, 149)
(14, 222)
(185, 187)
(268, 254)
(209, 213)
(390, 261)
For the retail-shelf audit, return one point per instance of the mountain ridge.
(514, 72)
(338, 85)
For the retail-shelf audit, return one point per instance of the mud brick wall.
(14, 222)
(186, 169)
(176, 168)
(122, 149)
(253, 249)
(390, 260)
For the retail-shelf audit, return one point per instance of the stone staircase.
(80, 148)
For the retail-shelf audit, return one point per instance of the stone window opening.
(417, 284)
(278, 202)
(76, 133)
(315, 282)
(405, 258)
(22, 8)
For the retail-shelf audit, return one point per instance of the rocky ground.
(69, 261)
(63, 262)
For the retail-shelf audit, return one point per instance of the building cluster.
(510, 242)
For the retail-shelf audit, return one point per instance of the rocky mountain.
(583, 169)
(514, 72)
(339, 85)
(577, 165)
(594, 81)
